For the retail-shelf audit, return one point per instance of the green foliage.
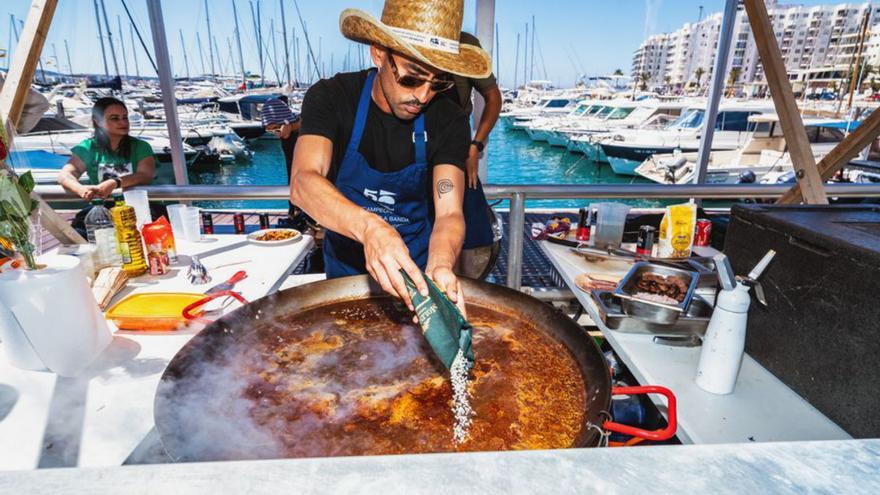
(16, 207)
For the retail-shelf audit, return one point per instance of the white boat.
(647, 114)
(555, 105)
(764, 153)
(627, 149)
(61, 142)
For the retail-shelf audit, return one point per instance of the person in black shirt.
(380, 161)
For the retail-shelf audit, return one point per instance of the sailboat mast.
(217, 51)
(57, 62)
(69, 65)
(255, 13)
(532, 65)
(238, 42)
(134, 53)
(210, 37)
(231, 56)
(516, 64)
(101, 37)
(122, 45)
(284, 39)
(110, 39)
(306, 36)
(183, 47)
(39, 60)
(201, 52)
(497, 54)
(526, 56)
(274, 51)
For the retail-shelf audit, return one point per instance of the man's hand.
(105, 188)
(472, 165)
(449, 284)
(385, 254)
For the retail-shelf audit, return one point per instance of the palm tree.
(644, 79)
(732, 78)
(699, 74)
(618, 72)
(668, 83)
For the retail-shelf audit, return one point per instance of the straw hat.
(425, 30)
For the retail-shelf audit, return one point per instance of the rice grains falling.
(461, 405)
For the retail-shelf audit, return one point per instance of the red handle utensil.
(229, 284)
(190, 312)
(656, 435)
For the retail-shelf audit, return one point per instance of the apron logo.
(381, 196)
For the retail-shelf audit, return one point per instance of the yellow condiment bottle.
(130, 246)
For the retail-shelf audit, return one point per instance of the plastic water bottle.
(102, 233)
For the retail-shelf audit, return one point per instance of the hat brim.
(470, 61)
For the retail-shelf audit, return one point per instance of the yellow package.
(677, 231)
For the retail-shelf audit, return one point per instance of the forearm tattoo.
(444, 186)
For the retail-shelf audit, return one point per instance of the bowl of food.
(658, 294)
(274, 237)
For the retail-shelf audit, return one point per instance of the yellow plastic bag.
(677, 231)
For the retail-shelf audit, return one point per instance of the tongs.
(613, 252)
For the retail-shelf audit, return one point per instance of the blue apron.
(398, 197)
(478, 225)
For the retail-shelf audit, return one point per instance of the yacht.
(626, 149)
(648, 114)
(765, 152)
(556, 105)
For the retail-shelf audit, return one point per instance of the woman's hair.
(101, 137)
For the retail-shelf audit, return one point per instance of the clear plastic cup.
(192, 227)
(610, 221)
(175, 216)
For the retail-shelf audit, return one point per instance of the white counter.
(98, 419)
(780, 468)
(761, 409)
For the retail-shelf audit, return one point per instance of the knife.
(229, 284)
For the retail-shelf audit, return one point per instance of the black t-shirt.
(329, 110)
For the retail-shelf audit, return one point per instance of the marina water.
(513, 159)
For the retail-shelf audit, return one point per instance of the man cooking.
(380, 162)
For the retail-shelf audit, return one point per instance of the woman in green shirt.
(112, 158)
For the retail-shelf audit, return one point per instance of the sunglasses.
(275, 128)
(412, 82)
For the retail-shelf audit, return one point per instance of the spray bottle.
(725, 340)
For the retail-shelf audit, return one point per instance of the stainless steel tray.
(654, 312)
(692, 323)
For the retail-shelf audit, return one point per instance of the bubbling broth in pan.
(358, 378)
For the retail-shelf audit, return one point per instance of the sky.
(573, 36)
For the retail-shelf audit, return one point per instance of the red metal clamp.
(656, 435)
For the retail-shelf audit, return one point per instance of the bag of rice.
(677, 231)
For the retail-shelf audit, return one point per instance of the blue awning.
(37, 159)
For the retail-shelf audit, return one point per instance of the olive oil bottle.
(130, 245)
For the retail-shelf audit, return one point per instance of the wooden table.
(761, 409)
(101, 417)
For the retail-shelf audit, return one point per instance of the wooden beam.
(14, 95)
(837, 158)
(27, 55)
(802, 159)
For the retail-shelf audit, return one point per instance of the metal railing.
(516, 194)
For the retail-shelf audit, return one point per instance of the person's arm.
(69, 176)
(491, 111)
(145, 170)
(384, 249)
(447, 236)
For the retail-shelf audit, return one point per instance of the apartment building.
(818, 46)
